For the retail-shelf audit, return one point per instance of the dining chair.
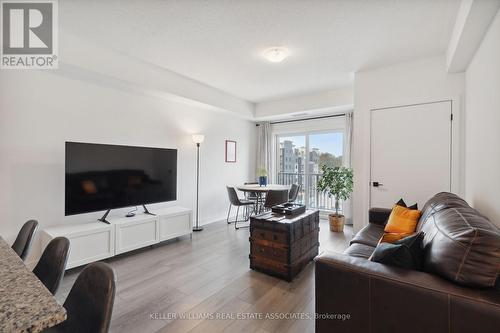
(234, 200)
(52, 264)
(275, 197)
(252, 195)
(294, 192)
(258, 197)
(23, 241)
(89, 304)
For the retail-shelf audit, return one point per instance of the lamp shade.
(198, 138)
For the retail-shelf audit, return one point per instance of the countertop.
(25, 304)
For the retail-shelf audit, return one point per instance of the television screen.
(102, 177)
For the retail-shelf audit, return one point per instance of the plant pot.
(262, 180)
(336, 222)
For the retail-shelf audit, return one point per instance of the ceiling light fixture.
(276, 54)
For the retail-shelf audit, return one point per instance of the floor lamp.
(198, 139)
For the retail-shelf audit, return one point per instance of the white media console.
(94, 241)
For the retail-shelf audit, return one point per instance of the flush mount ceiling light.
(276, 54)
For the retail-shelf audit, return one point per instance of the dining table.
(260, 191)
(25, 304)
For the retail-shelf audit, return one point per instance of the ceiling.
(219, 43)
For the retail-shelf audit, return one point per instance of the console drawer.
(136, 234)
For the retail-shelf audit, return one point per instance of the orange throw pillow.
(391, 237)
(402, 220)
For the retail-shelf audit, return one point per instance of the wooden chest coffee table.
(283, 245)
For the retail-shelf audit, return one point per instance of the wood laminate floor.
(207, 276)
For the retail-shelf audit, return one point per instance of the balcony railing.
(316, 200)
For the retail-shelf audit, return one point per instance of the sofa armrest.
(381, 298)
(379, 215)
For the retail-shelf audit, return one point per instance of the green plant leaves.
(262, 172)
(336, 182)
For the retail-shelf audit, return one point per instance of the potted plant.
(336, 182)
(262, 173)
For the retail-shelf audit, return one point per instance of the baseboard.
(214, 220)
(218, 219)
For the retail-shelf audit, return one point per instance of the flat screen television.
(103, 177)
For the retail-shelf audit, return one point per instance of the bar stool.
(22, 244)
(52, 264)
(89, 304)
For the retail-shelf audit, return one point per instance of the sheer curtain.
(264, 149)
(347, 205)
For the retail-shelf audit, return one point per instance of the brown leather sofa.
(457, 291)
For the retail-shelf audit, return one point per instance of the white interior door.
(410, 153)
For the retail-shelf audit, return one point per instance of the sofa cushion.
(402, 220)
(415, 245)
(391, 237)
(379, 215)
(402, 203)
(359, 250)
(461, 245)
(440, 201)
(405, 253)
(369, 235)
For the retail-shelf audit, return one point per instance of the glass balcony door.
(300, 159)
(291, 163)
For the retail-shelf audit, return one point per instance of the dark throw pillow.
(402, 203)
(405, 253)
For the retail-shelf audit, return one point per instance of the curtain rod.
(303, 119)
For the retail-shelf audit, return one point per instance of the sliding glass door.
(324, 149)
(291, 163)
(300, 158)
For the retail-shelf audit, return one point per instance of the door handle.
(377, 184)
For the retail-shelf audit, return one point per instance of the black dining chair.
(254, 196)
(234, 200)
(275, 197)
(89, 304)
(23, 241)
(257, 197)
(52, 264)
(294, 192)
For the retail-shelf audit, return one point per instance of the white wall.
(482, 105)
(418, 81)
(40, 110)
(77, 55)
(317, 103)
(472, 22)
